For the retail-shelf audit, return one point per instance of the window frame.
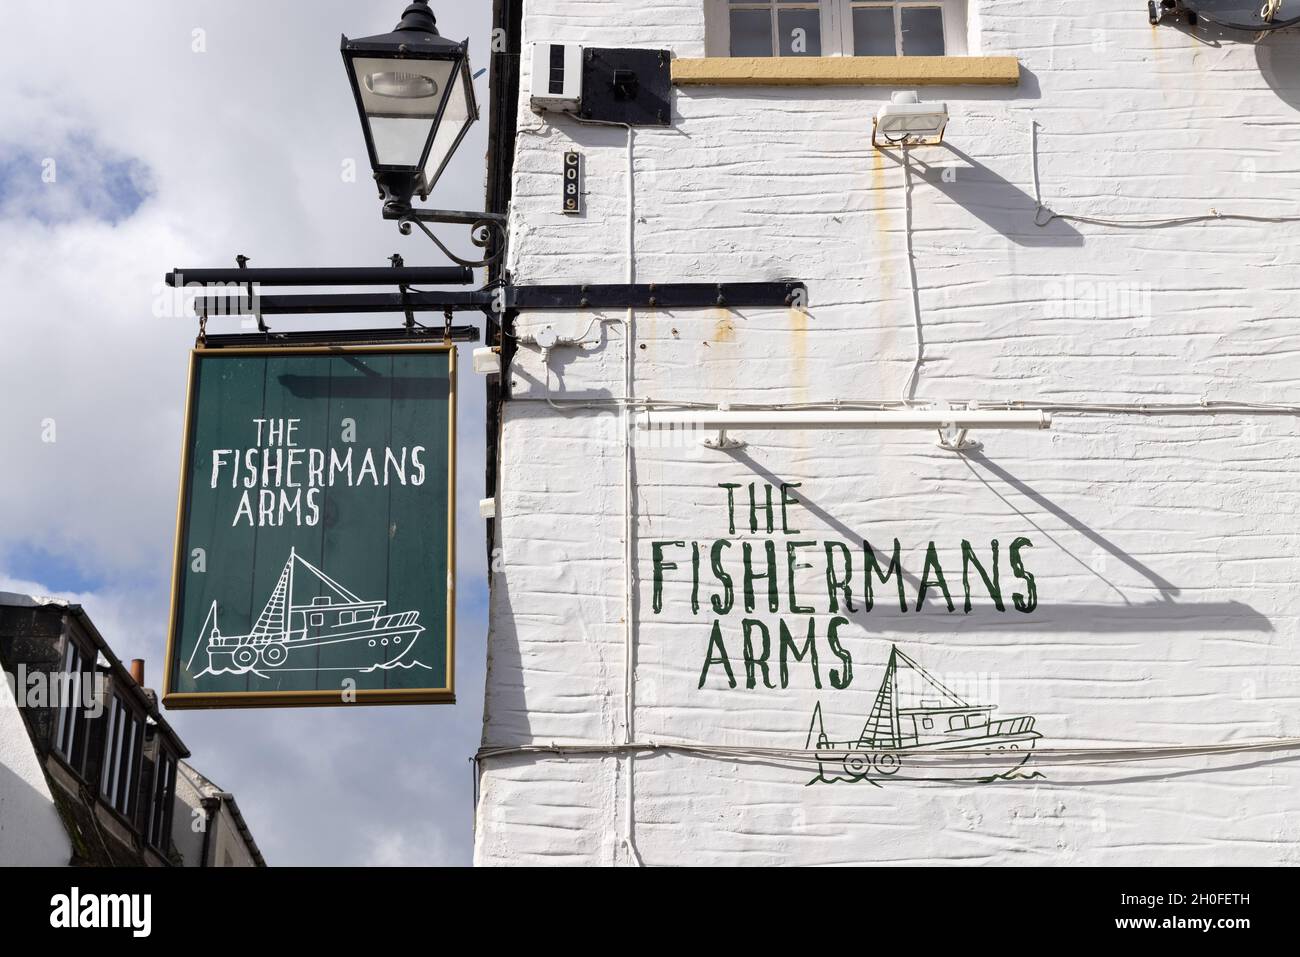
(836, 24)
(74, 727)
(119, 778)
(954, 42)
(774, 9)
(162, 799)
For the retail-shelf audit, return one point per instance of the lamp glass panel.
(399, 142)
(401, 99)
(914, 124)
(395, 87)
(458, 115)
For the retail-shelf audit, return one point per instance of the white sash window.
(764, 28)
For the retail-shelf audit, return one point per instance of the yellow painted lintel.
(895, 71)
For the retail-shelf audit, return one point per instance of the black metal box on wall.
(627, 86)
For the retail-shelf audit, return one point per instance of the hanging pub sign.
(315, 539)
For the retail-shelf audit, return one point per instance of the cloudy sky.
(141, 135)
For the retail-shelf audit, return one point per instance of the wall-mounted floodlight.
(951, 424)
(906, 121)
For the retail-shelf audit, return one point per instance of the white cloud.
(114, 611)
(420, 846)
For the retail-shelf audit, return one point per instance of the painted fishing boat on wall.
(311, 623)
(942, 737)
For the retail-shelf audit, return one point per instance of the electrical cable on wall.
(909, 387)
(1053, 757)
(1043, 216)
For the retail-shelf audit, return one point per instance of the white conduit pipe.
(909, 387)
(1144, 409)
(629, 553)
(629, 530)
(809, 420)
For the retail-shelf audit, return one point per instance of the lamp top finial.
(419, 18)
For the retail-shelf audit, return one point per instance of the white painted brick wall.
(1164, 546)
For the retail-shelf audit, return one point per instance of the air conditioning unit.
(557, 77)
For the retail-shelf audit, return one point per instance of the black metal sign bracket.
(237, 292)
(734, 295)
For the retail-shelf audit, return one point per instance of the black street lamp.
(415, 96)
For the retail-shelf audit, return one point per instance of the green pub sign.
(315, 559)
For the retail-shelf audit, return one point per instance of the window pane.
(157, 812)
(922, 31)
(873, 31)
(800, 32)
(65, 684)
(74, 712)
(149, 772)
(169, 805)
(751, 33)
(127, 788)
(108, 749)
(115, 730)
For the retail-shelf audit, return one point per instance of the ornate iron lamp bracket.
(487, 230)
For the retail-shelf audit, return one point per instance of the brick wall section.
(1162, 545)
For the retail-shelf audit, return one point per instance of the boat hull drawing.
(238, 655)
(328, 629)
(984, 759)
(940, 738)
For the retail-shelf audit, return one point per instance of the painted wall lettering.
(860, 575)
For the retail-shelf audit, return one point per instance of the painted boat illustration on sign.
(942, 737)
(335, 628)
